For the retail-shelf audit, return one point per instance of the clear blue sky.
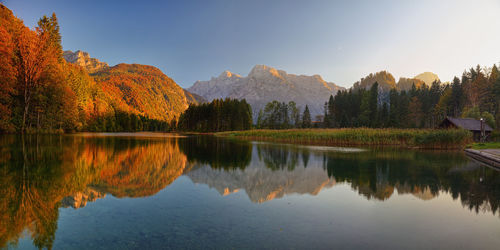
(340, 40)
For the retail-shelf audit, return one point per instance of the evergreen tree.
(306, 118)
(373, 105)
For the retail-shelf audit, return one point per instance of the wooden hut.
(470, 124)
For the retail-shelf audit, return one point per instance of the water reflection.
(40, 174)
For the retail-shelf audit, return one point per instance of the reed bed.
(414, 138)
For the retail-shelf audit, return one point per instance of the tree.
(306, 118)
(476, 114)
(219, 115)
(294, 114)
(457, 97)
(373, 105)
(384, 115)
(7, 80)
(415, 112)
(364, 116)
(35, 58)
(50, 27)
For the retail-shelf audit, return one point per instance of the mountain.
(407, 83)
(265, 84)
(142, 89)
(427, 77)
(136, 88)
(83, 59)
(194, 99)
(385, 81)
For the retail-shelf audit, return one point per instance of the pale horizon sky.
(342, 41)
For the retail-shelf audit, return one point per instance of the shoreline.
(404, 138)
(487, 156)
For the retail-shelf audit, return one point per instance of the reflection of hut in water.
(470, 124)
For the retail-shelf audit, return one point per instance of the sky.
(342, 41)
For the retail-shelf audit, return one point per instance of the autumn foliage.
(41, 92)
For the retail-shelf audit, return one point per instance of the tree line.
(218, 115)
(475, 95)
(281, 115)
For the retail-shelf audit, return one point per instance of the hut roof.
(468, 123)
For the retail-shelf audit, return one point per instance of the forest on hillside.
(41, 92)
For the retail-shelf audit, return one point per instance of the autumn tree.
(7, 79)
(35, 57)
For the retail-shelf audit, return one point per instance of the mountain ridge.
(264, 84)
(136, 88)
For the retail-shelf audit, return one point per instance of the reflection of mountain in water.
(269, 172)
(263, 184)
(80, 199)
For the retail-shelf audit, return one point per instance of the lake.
(156, 191)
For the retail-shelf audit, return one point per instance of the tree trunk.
(26, 107)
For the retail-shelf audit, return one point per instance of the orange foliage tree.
(34, 59)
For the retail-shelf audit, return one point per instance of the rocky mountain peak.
(228, 74)
(83, 59)
(427, 77)
(265, 84)
(263, 71)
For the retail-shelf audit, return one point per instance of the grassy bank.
(417, 138)
(485, 145)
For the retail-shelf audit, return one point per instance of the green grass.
(417, 138)
(486, 145)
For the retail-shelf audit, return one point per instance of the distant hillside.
(427, 77)
(264, 84)
(142, 89)
(194, 99)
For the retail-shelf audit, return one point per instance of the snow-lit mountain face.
(265, 84)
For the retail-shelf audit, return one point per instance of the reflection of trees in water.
(217, 152)
(37, 172)
(377, 174)
(142, 169)
(29, 189)
(279, 156)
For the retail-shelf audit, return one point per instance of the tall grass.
(419, 138)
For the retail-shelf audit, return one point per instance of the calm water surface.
(134, 192)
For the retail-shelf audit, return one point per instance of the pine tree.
(306, 118)
(457, 97)
(373, 105)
